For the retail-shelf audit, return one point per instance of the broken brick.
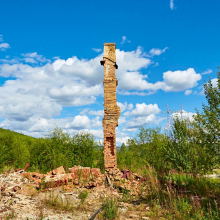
(95, 172)
(26, 166)
(59, 170)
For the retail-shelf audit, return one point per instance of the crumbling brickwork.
(111, 110)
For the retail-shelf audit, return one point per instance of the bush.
(45, 154)
(110, 208)
(82, 196)
(147, 148)
(182, 152)
(207, 123)
(15, 149)
(181, 196)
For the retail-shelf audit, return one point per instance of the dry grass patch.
(57, 203)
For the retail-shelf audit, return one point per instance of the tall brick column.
(111, 110)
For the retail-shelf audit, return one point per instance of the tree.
(182, 152)
(145, 149)
(208, 122)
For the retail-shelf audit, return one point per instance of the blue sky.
(50, 72)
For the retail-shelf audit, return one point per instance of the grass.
(110, 208)
(196, 185)
(11, 215)
(82, 196)
(6, 169)
(180, 196)
(57, 203)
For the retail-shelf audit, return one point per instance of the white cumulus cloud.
(80, 122)
(34, 58)
(125, 106)
(188, 92)
(142, 115)
(97, 50)
(4, 46)
(157, 51)
(131, 78)
(183, 115)
(180, 80)
(171, 4)
(143, 110)
(99, 112)
(138, 122)
(208, 71)
(125, 40)
(38, 92)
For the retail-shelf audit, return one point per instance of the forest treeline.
(191, 146)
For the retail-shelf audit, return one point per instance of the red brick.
(59, 170)
(95, 172)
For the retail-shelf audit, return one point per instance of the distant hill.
(6, 132)
(44, 154)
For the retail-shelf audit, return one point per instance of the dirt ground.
(19, 199)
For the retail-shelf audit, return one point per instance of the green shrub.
(44, 154)
(110, 208)
(207, 123)
(181, 196)
(82, 196)
(182, 152)
(145, 149)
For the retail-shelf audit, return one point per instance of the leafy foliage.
(207, 122)
(183, 151)
(181, 196)
(57, 149)
(14, 148)
(145, 149)
(110, 208)
(82, 196)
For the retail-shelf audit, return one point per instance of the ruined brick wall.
(111, 110)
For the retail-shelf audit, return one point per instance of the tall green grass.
(180, 196)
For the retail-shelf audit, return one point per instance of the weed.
(126, 196)
(82, 196)
(41, 216)
(182, 196)
(110, 208)
(57, 203)
(10, 215)
(6, 169)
